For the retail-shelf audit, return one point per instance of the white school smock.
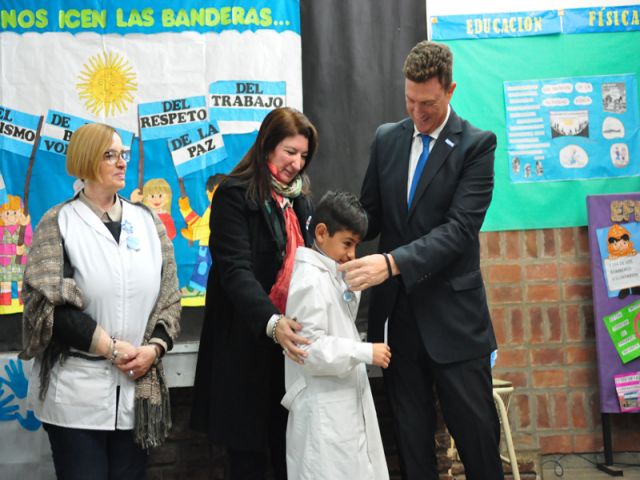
(332, 430)
(119, 286)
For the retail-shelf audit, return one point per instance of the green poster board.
(622, 327)
(481, 67)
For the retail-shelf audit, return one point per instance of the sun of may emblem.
(107, 84)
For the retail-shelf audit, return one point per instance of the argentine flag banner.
(197, 149)
(17, 132)
(171, 117)
(240, 106)
(58, 128)
(185, 84)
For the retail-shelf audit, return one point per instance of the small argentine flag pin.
(449, 142)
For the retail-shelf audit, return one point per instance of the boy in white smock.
(332, 431)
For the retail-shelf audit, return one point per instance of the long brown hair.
(277, 125)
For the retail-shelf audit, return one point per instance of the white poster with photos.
(573, 128)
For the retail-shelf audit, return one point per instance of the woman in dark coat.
(259, 216)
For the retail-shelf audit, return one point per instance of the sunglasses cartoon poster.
(618, 246)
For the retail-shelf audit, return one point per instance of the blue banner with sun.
(184, 90)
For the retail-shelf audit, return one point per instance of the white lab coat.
(332, 431)
(120, 286)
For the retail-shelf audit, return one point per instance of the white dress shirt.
(416, 148)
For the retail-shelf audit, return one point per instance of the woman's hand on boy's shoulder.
(288, 338)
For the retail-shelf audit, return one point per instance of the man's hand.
(367, 272)
(288, 338)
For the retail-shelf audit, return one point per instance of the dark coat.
(435, 243)
(239, 368)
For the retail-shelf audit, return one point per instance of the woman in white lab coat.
(101, 307)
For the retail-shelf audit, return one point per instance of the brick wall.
(539, 288)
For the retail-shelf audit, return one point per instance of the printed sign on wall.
(572, 128)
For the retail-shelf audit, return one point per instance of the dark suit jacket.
(238, 365)
(434, 243)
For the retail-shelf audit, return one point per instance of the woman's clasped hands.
(133, 361)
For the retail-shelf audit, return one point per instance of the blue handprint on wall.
(30, 422)
(16, 379)
(7, 412)
(18, 383)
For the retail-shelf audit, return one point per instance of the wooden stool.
(502, 392)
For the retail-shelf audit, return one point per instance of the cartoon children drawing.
(156, 194)
(15, 239)
(198, 231)
(620, 245)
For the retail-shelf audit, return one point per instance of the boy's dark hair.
(340, 211)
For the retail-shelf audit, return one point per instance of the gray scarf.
(291, 190)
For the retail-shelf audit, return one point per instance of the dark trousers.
(80, 454)
(466, 399)
(252, 465)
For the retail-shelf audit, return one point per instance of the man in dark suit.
(426, 191)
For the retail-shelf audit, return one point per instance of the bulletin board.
(614, 230)
(186, 85)
(534, 194)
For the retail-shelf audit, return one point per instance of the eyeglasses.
(624, 237)
(112, 156)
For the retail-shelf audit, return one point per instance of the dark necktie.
(422, 161)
